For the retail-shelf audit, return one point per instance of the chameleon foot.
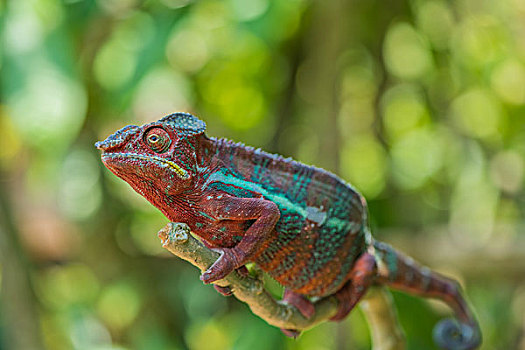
(243, 271)
(227, 262)
(292, 333)
(305, 306)
(226, 291)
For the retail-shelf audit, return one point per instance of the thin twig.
(177, 239)
(381, 315)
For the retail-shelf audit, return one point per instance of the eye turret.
(157, 139)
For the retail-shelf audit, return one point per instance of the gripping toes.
(220, 269)
(226, 263)
(302, 303)
(292, 333)
(226, 291)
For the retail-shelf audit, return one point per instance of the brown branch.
(177, 239)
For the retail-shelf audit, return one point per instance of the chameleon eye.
(157, 139)
(153, 138)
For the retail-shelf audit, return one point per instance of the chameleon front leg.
(264, 212)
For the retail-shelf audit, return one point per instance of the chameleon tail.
(402, 273)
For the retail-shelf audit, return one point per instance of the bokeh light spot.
(62, 286)
(403, 110)
(249, 10)
(363, 163)
(79, 194)
(10, 144)
(416, 157)
(23, 31)
(212, 15)
(143, 230)
(477, 113)
(119, 305)
(358, 81)
(187, 50)
(114, 66)
(406, 52)
(211, 335)
(239, 103)
(242, 107)
(175, 4)
(50, 13)
(508, 81)
(135, 31)
(473, 206)
(479, 40)
(506, 170)
(436, 20)
(162, 91)
(58, 106)
(87, 332)
(117, 8)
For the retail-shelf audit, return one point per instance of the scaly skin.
(304, 226)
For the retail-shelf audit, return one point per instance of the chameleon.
(304, 226)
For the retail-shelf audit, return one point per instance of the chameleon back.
(323, 224)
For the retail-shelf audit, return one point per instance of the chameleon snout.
(118, 138)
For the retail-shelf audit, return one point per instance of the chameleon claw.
(226, 291)
(221, 268)
(210, 276)
(215, 272)
(292, 333)
(205, 278)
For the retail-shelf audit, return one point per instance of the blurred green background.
(420, 104)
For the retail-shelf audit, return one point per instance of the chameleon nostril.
(118, 138)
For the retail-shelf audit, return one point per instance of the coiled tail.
(400, 272)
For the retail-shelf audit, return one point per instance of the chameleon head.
(156, 159)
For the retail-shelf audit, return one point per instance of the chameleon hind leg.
(301, 303)
(361, 277)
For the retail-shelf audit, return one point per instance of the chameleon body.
(304, 226)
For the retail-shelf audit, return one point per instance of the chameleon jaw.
(160, 162)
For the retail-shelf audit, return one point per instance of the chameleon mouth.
(158, 161)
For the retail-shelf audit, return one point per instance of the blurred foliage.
(418, 103)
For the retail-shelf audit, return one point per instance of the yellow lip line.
(154, 159)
